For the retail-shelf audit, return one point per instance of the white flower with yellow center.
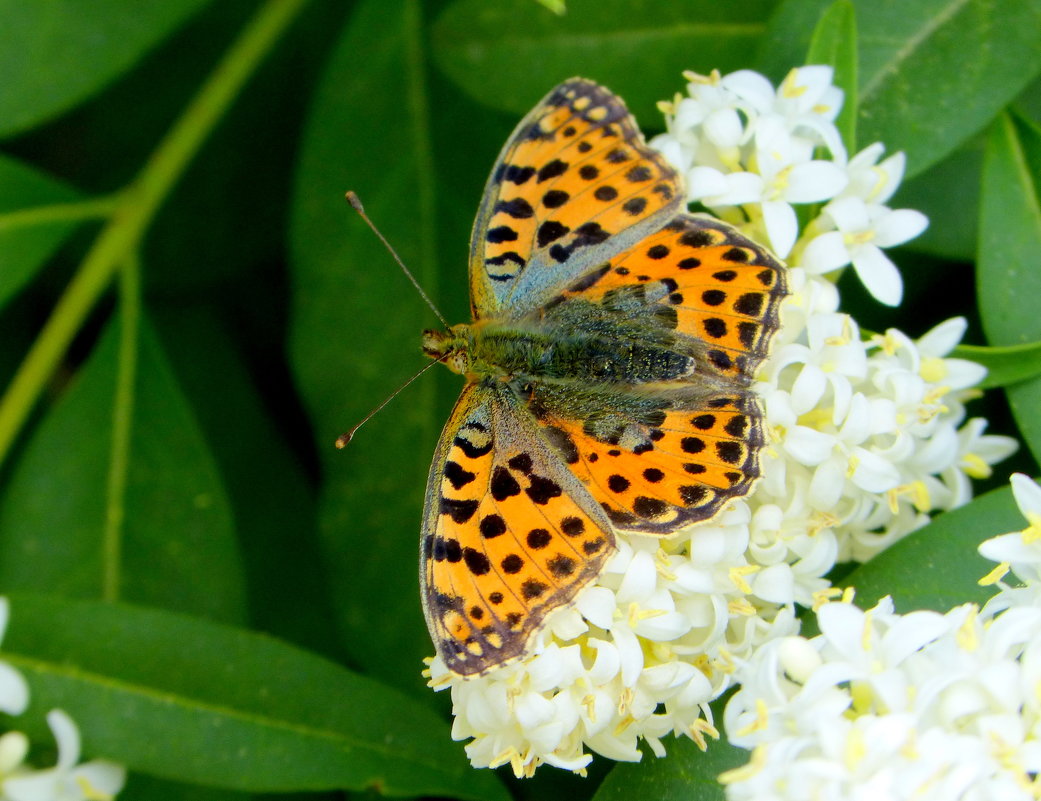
(919, 706)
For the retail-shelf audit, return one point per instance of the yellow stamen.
(966, 636)
(933, 369)
(855, 749)
(637, 614)
(858, 238)
(661, 564)
(791, 89)
(1031, 533)
(995, 575)
(759, 724)
(699, 729)
(861, 696)
(866, 635)
(746, 772)
(974, 467)
(625, 700)
(737, 576)
(741, 607)
(90, 792)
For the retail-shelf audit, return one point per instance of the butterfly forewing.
(574, 184)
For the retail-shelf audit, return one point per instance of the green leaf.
(932, 72)
(834, 43)
(56, 53)
(272, 499)
(177, 547)
(147, 788)
(30, 230)
(948, 193)
(938, 567)
(509, 53)
(356, 324)
(185, 699)
(1005, 365)
(685, 773)
(1008, 281)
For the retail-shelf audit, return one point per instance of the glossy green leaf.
(177, 547)
(30, 228)
(834, 43)
(56, 53)
(272, 499)
(1008, 281)
(509, 53)
(932, 72)
(356, 327)
(948, 193)
(146, 788)
(226, 707)
(1005, 365)
(938, 567)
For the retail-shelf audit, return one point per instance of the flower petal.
(878, 275)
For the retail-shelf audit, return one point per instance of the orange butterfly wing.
(574, 184)
(509, 534)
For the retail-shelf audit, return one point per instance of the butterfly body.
(608, 370)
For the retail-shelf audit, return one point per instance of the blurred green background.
(180, 456)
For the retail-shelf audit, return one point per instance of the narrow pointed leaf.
(920, 89)
(177, 546)
(1008, 280)
(56, 53)
(224, 707)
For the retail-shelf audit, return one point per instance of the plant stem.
(120, 238)
(90, 209)
(122, 426)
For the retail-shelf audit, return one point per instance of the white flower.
(880, 705)
(863, 230)
(873, 182)
(67, 780)
(1021, 550)
(14, 692)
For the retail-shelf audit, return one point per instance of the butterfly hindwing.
(669, 447)
(574, 183)
(509, 533)
(683, 467)
(704, 280)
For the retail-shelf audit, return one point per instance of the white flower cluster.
(748, 153)
(867, 437)
(67, 780)
(919, 706)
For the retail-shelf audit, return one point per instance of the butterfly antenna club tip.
(355, 201)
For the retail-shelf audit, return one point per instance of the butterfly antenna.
(343, 439)
(355, 202)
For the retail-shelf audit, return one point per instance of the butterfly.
(608, 368)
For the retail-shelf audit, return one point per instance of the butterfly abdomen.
(579, 357)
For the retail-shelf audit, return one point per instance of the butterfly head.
(453, 347)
